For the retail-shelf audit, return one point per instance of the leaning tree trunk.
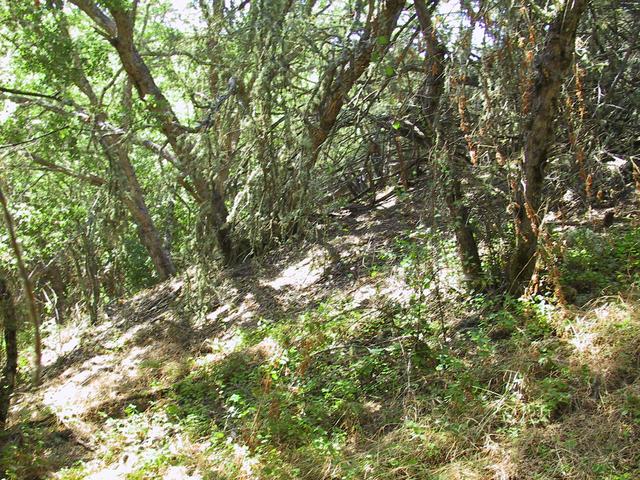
(149, 236)
(118, 28)
(134, 198)
(116, 148)
(337, 88)
(339, 79)
(91, 269)
(452, 186)
(10, 327)
(28, 288)
(465, 238)
(552, 65)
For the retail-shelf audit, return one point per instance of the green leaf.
(389, 71)
(382, 40)
(396, 125)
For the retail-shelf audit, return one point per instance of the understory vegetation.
(319, 239)
(521, 388)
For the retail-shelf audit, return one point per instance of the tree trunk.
(465, 239)
(116, 148)
(28, 288)
(10, 327)
(338, 81)
(453, 196)
(213, 220)
(147, 232)
(552, 65)
(134, 199)
(338, 87)
(119, 29)
(91, 269)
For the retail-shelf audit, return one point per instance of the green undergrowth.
(532, 391)
(345, 394)
(597, 263)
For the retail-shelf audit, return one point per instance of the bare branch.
(54, 167)
(29, 94)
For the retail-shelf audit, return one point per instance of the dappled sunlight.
(212, 389)
(268, 348)
(117, 471)
(61, 341)
(180, 473)
(219, 314)
(245, 461)
(319, 240)
(246, 310)
(218, 349)
(391, 287)
(82, 385)
(583, 342)
(395, 288)
(462, 470)
(607, 339)
(500, 459)
(127, 337)
(302, 274)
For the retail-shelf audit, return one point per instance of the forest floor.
(353, 357)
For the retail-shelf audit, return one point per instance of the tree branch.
(33, 139)
(54, 167)
(29, 94)
(98, 16)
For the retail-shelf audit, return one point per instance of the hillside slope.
(352, 358)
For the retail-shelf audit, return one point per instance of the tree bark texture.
(551, 67)
(10, 327)
(116, 147)
(344, 77)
